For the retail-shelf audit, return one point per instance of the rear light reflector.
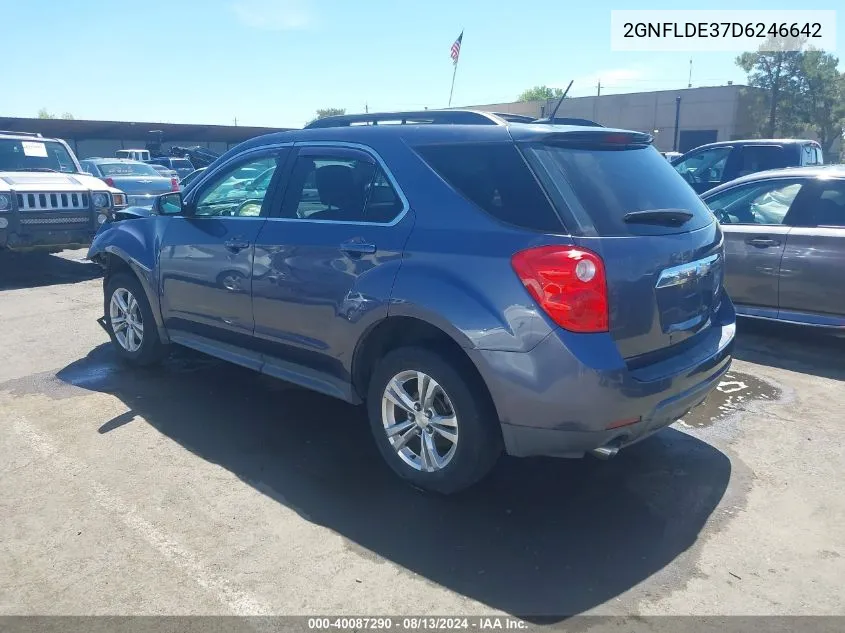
(109, 181)
(174, 184)
(569, 284)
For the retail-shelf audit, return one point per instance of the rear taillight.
(109, 181)
(174, 184)
(569, 283)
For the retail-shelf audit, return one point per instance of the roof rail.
(13, 133)
(455, 117)
(514, 118)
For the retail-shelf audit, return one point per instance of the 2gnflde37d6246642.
(482, 285)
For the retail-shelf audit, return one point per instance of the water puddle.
(733, 394)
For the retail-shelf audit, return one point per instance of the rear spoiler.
(602, 138)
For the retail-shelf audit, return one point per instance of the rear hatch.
(661, 246)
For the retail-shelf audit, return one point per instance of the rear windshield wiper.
(668, 217)
(37, 169)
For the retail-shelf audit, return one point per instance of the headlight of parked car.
(5, 202)
(101, 200)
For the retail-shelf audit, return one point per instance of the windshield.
(127, 169)
(596, 188)
(181, 163)
(35, 155)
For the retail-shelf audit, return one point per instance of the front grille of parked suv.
(75, 201)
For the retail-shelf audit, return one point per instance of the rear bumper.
(574, 393)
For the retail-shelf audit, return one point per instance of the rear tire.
(130, 321)
(444, 440)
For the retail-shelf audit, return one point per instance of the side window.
(495, 178)
(232, 193)
(341, 189)
(760, 158)
(826, 207)
(706, 166)
(758, 203)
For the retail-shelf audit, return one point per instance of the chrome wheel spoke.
(399, 427)
(121, 301)
(446, 432)
(118, 323)
(406, 437)
(429, 456)
(426, 386)
(396, 393)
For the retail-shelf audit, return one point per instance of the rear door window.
(596, 188)
(495, 177)
(765, 202)
(756, 158)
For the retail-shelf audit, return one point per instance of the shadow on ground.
(42, 268)
(538, 538)
(792, 347)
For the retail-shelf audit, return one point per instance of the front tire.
(130, 321)
(433, 427)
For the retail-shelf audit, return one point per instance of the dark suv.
(546, 290)
(713, 164)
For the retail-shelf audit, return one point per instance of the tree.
(776, 71)
(67, 116)
(540, 93)
(43, 114)
(324, 112)
(822, 96)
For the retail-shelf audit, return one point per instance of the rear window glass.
(756, 158)
(181, 163)
(126, 169)
(596, 188)
(495, 177)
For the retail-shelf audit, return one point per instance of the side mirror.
(168, 204)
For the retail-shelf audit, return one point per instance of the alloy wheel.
(420, 421)
(126, 319)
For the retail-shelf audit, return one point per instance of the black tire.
(479, 442)
(151, 350)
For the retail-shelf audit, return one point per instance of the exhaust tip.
(605, 452)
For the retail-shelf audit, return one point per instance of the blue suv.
(481, 285)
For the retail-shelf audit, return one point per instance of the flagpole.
(457, 59)
(454, 72)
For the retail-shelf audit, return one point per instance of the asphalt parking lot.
(202, 488)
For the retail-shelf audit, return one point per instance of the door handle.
(762, 242)
(236, 244)
(358, 248)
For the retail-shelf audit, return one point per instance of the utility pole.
(236, 121)
(689, 82)
(677, 122)
(366, 108)
(599, 89)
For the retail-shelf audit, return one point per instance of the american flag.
(456, 48)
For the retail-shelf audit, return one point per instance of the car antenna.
(562, 97)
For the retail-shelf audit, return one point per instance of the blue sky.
(274, 62)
